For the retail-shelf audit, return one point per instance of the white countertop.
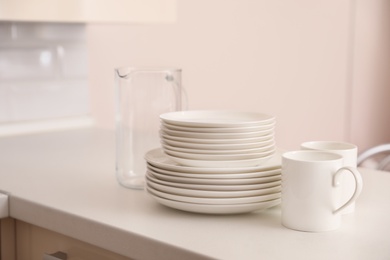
(65, 182)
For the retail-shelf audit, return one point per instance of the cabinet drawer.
(33, 242)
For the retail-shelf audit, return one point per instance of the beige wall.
(291, 59)
(370, 110)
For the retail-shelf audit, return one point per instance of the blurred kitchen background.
(321, 67)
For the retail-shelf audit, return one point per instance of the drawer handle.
(56, 256)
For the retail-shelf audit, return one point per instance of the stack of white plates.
(215, 162)
(218, 138)
(217, 190)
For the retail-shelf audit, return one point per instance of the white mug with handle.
(311, 190)
(349, 153)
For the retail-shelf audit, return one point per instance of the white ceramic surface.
(242, 129)
(244, 135)
(311, 192)
(201, 151)
(210, 193)
(215, 118)
(219, 157)
(349, 152)
(219, 146)
(216, 209)
(221, 163)
(218, 175)
(158, 158)
(216, 141)
(232, 187)
(209, 181)
(214, 201)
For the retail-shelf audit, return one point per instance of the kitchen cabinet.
(7, 239)
(29, 242)
(118, 11)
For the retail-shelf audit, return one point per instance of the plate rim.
(242, 129)
(218, 157)
(170, 118)
(168, 163)
(215, 209)
(216, 186)
(213, 193)
(221, 181)
(221, 163)
(214, 201)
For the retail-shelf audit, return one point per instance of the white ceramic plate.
(214, 201)
(245, 135)
(221, 163)
(159, 159)
(260, 139)
(238, 151)
(208, 175)
(212, 194)
(216, 209)
(215, 118)
(218, 129)
(223, 146)
(215, 181)
(233, 187)
(219, 157)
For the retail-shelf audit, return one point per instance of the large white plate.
(219, 157)
(212, 194)
(215, 118)
(215, 181)
(219, 175)
(218, 146)
(214, 201)
(233, 187)
(216, 209)
(218, 129)
(178, 133)
(158, 158)
(221, 163)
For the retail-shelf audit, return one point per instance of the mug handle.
(358, 185)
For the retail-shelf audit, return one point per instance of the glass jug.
(143, 94)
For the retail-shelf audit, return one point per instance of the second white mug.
(349, 153)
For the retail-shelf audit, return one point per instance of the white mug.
(311, 190)
(349, 153)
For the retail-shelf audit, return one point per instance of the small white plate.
(218, 129)
(216, 209)
(221, 163)
(219, 157)
(214, 201)
(217, 136)
(222, 146)
(233, 187)
(219, 175)
(215, 118)
(159, 159)
(212, 194)
(201, 151)
(215, 181)
(260, 139)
